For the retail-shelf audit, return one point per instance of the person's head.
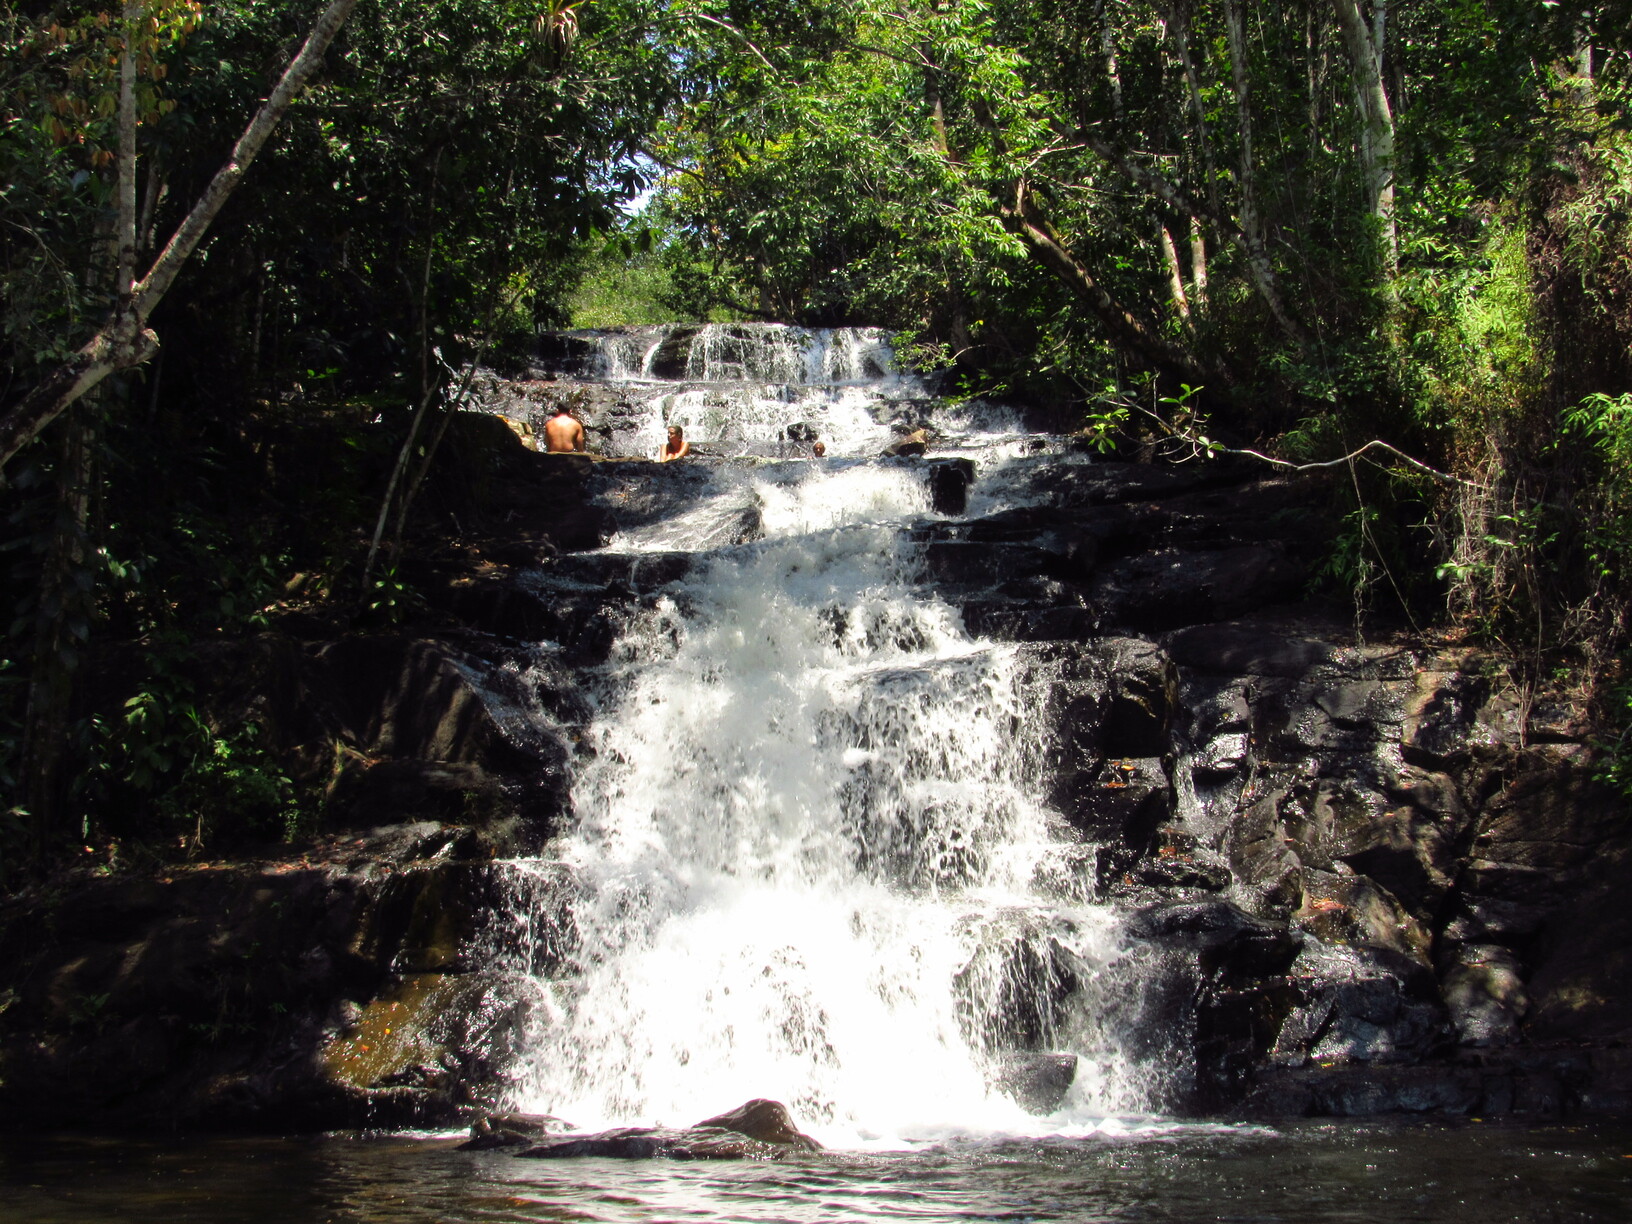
(676, 433)
(818, 449)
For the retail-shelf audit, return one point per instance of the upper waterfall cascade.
(742, 388)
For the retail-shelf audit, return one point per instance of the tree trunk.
(124, 238)
(1259, 264)
(1107, 55)
(124, 340)
(1198, 265)
(1364, 43)
(61, 626)
(1178, 26)
(1175, 277)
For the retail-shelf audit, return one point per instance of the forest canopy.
(1294, 228)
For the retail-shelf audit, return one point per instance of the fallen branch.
(1417, 464)
(1201, 445)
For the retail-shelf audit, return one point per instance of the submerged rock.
(756, 1130)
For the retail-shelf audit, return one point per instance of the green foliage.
(1616, 748)
(199, 780)
(1602, 425)
(1476, 343)
(392, 598)
(624, 285)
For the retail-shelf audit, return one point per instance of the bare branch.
(746, 41)
(1417, 464)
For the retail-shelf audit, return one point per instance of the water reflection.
(1337, 1172)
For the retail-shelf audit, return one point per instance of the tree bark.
(1178, 26)
(1107, 55)
(125, 341)
(1364, 43)
(1198, 265)
(124, 238)
(1175, 276)
(1258, 262)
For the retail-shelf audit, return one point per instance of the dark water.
(1341, 1172)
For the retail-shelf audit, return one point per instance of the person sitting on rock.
(915, 443)
(676, 447)
(563, 434)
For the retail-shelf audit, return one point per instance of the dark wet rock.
(671, 359)
(1485, 994)
(1353, 909)
(1098, 484)
(506, 1130)
(1072, 547)
(1038, 1083)
(1165, 589)
(1179, 872)
(758, 1130)
(1144, 697)
(1262, 856)
(1349, 1092)
(1243, 650)
(1123, 801)
(1226, 938)
(1365, 1004)
(965, 564)
(1010, 621)
(293, 994)
(764, 1120)
(1016, 991)
(949, 481)
(574, 353)
(637, 1143)
(1446, 715)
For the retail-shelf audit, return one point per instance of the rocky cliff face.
(1369, 872)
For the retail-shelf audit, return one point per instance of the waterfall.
(811, 858)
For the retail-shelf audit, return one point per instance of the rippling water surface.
(1310, 1172)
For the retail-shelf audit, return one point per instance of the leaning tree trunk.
(124, 340)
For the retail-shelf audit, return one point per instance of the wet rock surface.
(756, 1130)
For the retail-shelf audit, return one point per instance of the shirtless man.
(676, 447)
(562, 432)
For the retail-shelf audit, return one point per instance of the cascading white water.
(810, 859)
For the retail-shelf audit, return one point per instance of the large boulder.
(765, 1120)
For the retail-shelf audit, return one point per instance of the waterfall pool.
(1301, 1174)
